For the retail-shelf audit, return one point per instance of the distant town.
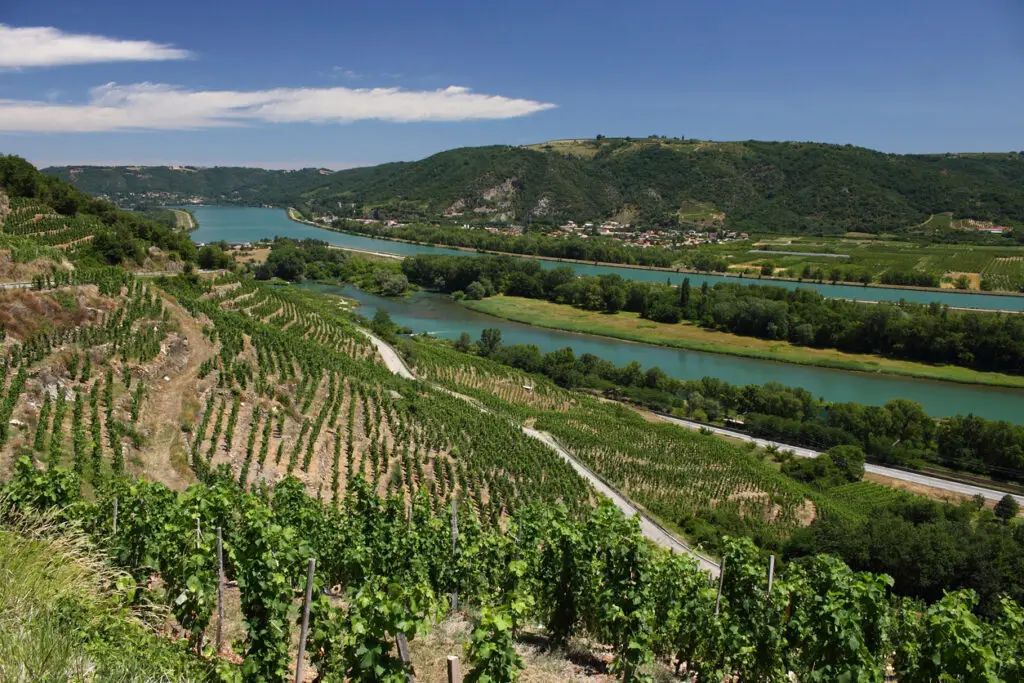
(629, 235)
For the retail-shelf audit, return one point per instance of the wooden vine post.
(220, 590)
(299, 659)
(721, 582)
(454, 671)
(455, 545)
(403, 652)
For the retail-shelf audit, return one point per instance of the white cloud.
(31, 46)
(154, 106)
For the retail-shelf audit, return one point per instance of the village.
(629, 235)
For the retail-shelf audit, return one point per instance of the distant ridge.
(751, 185)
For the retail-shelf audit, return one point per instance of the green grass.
(631, 327)
(938, 221)
(62, 620)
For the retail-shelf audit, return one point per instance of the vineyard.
(1006, 273)
(696, 483)
(263, 413)
(385, 571)
(866, 496)
(48, 228)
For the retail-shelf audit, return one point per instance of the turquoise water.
(247, 224)
(440, 316)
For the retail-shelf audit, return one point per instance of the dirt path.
(167, 400)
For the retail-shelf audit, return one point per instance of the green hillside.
(764, 186)
(38, 210)
(184, 459)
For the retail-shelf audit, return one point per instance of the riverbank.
(186, 221)
(631, 327)
(738, 277)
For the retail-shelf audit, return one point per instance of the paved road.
(391, 358)
(902, 475)
(650, 529)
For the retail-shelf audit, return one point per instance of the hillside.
(763, 186)
(171, 446)
(39, 212)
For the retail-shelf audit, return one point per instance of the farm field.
(998, 268)
(629, 326)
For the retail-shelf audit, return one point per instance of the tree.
(767, 269)
(463, 343)
(684, 294)
(383, 325)
(475, 290)
(390, 283)
(490, 341)
(848, 461)
(286, 263)
(212, 257)
(1007, 508)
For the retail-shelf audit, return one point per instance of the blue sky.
(290, 84)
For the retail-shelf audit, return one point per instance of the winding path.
(648, 526)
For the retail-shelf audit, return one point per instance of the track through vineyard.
(649, 527)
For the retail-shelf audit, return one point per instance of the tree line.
(929, 333)
(296, 260)
(899, 433)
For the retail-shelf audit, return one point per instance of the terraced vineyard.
(31, 219)
(696, 483)
(277, 384)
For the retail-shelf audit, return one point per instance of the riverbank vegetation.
(899, 433)
(298, 260)
(934, 334)
(688, 335)
(984, 261)
(989, 263)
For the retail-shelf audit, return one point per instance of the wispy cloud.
(35, 46)
(342, 72)
(155, 106)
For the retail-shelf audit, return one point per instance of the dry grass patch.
(973, 279)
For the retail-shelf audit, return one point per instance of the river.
(438, 315)
(248, 224)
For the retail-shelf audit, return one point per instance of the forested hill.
(763, 186)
